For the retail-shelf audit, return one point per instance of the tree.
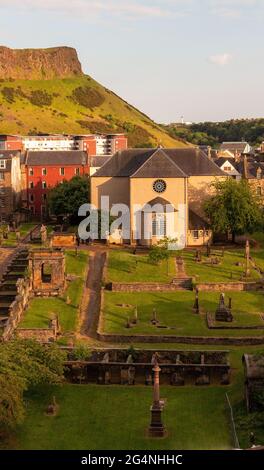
(234, 208)
(66, 198)
(161, 251)
(23, 365)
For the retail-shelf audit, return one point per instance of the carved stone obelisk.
(156, 428)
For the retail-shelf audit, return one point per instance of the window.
(2, 175)
(227, 168)
(77, 171)
(196, 234)
(31, 197)
(32, 209)
(159, 225)
(44, 171)
(44, 185)
(159, 186)
(3, 164)
(31, 184)
(31, 171)
(44, 197)
(62, 171)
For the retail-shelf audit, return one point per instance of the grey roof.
(234, 147)
(196, 222)
(67, 157)
(9, 153)
(252, 168)
(182, 162)
(97, 162)
(159, 163)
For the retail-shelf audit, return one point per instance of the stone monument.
(43, 234)
(223, 313)
(247, 256)
(156, 428)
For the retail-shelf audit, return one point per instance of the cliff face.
(39, 64)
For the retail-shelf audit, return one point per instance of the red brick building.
(10, 142)
(45, 169)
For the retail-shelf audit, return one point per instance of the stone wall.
(230, 286)
(43, 335)
(132, 339)
(17, 308)
(149, 286)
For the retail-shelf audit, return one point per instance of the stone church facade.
(164, 190)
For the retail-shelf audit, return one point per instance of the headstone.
(247, 256)
(208, 250)
(156, 428)
(177, 379)
(223, 313)
(43, 234)
(135, 319)
(154, 320)
(196, 307)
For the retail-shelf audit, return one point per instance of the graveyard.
(175, 314)
(192, 295)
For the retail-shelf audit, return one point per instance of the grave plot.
(147, 313)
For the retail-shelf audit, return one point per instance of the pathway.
(91, 301)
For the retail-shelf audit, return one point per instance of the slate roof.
(97, 162)
(64, 158)
(234, 147)
(174, 163)
(252, 168)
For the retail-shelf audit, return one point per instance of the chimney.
(209, 152)
(245, 168)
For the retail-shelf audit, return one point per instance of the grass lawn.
(97, 417)
(40, 310)
(174, 310)
(126, 267)
(24, 229)
(206, 272)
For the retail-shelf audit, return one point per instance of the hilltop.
(59, 98)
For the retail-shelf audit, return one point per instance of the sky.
(200, 59)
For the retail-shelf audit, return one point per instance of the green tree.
(234, 208)
(23, 365)
(68, 196)
(161, 251)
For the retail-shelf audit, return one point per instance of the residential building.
(10, 183)
(179, 178)
(46, 169)
(236, 148)
(94, 144)
(228, 165)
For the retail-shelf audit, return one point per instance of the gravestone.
(223, 313)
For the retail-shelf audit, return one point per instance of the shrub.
(87, 97)
(40, 98)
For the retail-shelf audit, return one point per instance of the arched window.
(159, 225)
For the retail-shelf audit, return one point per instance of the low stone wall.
(17, 308)
(148, 286)
(43, 335)
(230, 286)
(132, 339)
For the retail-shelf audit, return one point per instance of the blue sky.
(202, 59)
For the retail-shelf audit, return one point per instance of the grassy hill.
(76, 105)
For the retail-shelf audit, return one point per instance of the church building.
(164, 190)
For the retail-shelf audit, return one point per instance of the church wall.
(200, 189)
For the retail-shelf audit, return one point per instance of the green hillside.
(75, 105)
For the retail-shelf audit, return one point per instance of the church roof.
(153, 163)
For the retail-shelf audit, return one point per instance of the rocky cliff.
(39, 64)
